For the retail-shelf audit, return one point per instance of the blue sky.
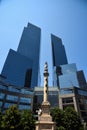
(66, 19)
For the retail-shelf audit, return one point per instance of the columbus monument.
(44, 118)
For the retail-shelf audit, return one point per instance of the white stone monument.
(45, 120)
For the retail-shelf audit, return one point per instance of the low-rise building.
(12, 95)
(76, 98)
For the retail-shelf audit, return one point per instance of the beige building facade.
(76, 98)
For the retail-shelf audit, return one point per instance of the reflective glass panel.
(12, 98)
(82, 92)
(12, 89)
(25, 100)
(23, 107)
(7, 105)
(2, 95)
(3, 87)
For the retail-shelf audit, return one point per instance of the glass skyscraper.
(58, 51)
(21, 67)
(64, 74)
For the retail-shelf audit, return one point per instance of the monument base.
(45, 120)
(42, 125)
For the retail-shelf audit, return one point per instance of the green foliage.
(58, 116)
(82, 128)
(27, 120)
(72, 119)
(67, 119)
(11, 119)
(60, 128)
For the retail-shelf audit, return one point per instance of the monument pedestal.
(45, 126)
(45, 120)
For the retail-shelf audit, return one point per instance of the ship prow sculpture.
(45, 120)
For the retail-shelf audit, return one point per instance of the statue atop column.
(46, 74)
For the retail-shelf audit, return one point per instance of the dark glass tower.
(58, 51)
(21, 67)
(15, 69)
(29, 46)
(64, 74)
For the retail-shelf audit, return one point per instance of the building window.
(24, 91)
(3, 87)
(7, 105)
(12, 89)
(53, 92)
(12, 98)
(2, 95)
(82, 92)
(28, 78)
(67, 100)
(25, 100)
(24, 107)
(82, 107)
(66, 91)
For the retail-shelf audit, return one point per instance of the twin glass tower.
(21, 67)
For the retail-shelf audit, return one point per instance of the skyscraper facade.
(64, 74)
(21, 67)
(58, 51)
(29, 47)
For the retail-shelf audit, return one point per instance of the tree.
(60, 128)
(27, 120)
(58, 116)
(72, 119)
(11, 119)
(67, 119)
